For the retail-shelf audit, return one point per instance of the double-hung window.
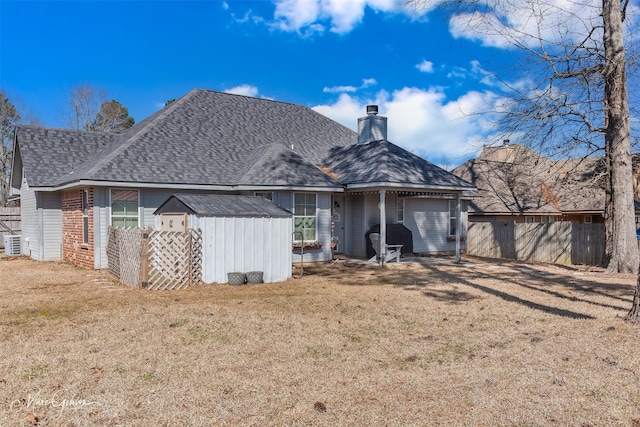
(400, 212)
(85, 216)
(453, 217)
(124, 208)
(304, 217)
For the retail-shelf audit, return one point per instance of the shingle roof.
(516, 179)
(211, 138)
(384, 162)
(221, 205)
(204, 138)
(48, 154)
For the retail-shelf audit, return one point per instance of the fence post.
(144, 258)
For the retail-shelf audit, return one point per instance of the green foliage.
(112, 117)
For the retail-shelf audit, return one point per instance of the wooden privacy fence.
(9, 223)
(159, 260)
(557, 242)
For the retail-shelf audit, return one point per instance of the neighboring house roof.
(221, 205)
(384, 163)
(513, 179)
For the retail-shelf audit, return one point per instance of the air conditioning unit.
(13, 245)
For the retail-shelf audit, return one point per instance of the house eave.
(401, 186)
(198, 187)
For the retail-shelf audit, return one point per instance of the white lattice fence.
(157, 260)
(124, 254)
(174, 259)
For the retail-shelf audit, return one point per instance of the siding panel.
(31, 230)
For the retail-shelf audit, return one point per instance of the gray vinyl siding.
(364, 214)
(31, 235)
(150, 200)
(323, 225)
(100, 226)
(41, 216)
(51, 214)
(355, 226)
(428, 220)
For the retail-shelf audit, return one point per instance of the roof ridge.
(127, 140)
(30, 126)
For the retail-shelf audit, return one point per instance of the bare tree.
(8, 118)
(91, 110)
(574, 99)
(112, 117)
(84, 105)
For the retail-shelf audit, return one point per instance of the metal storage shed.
(239, 233)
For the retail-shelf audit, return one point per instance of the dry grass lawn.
(483, 343)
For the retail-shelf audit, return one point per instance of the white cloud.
(425, 66)
(246, 90)
(528, 22)
(312, 16)
(341, 89)
(424, 121)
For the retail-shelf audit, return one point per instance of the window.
(588, 219)
(547, 219)
(453, 217)
(400, 212)
(304, 216)
(529, 219)
(265, 194)
(124, 208)
(85, 216)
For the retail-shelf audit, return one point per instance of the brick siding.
(74, 249)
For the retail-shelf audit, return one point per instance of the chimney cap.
(372, 110)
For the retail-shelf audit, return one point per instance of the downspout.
(383, 227)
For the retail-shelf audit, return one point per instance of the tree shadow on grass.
(447, 284)
(465, 280)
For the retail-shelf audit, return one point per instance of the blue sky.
(427, 74)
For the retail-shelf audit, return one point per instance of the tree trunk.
(624, 255)
(608, 209)
(634, 314)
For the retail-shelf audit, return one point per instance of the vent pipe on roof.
(372, 127)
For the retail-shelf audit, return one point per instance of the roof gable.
(278, 166)
(382, 162)
(47, 154)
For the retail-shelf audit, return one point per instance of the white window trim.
(140, 210)
(400, 202)
(85, 217)
(295, 237)
(526, 219)
(449, 205)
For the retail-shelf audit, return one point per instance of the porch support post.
(458, 225)
(383, 227)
